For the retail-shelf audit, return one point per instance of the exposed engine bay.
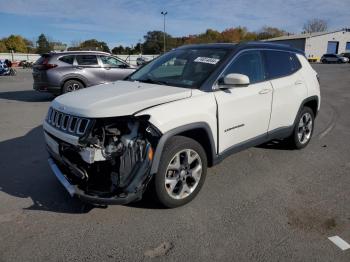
(113, 159)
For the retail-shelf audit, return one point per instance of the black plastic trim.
(176, 131)
(310, 98)
(278, 133)
(78, 77)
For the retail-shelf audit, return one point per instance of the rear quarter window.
(280, 63)
(68, 59)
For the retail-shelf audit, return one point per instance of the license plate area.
(52, 144)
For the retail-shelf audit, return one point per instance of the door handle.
(107, 68)
(298, 82)
(264, 91)
(79, 67)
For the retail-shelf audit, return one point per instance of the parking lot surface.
(266, 203)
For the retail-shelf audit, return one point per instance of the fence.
(131, 59)
(19, 57)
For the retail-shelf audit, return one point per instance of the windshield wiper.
(152, 81)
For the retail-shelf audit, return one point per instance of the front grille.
(67, 123)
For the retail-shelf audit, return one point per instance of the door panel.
(289, 88)
(288, 95)
(88, 67)
(114, 69)
(244, 113)
(113, 74)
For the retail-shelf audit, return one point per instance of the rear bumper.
(74, 191)
(45, 87)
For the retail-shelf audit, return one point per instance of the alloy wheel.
(73, 87)
(183, 174)
(305, 128)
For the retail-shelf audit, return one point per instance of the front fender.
(198, 111)
(179, 130)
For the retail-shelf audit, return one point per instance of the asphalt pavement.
(266, 203)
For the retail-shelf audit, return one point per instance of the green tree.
(3, 47)
(93, 44)
(270, 32)
(153, 43)
(30, 46)
(43, 44)
(16, 43)
(118, 50)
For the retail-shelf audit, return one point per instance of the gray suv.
(64, 72)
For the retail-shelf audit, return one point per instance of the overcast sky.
(126, 21)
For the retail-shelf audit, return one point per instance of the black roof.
(245, 45)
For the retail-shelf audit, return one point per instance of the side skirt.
(278, 133)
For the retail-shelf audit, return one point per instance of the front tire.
(181, 173)
(303, 129)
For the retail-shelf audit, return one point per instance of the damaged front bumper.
(133, 191)
(104, 161)
(74, 191)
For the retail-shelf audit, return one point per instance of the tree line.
(20, 44)
(153, 40)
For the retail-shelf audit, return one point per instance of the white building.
(316, 44)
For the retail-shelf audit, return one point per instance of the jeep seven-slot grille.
(67, 123)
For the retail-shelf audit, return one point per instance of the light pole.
(140, 47)
(164, 13)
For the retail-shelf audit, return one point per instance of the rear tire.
(71, 86)
(303, 129)
(181, 173)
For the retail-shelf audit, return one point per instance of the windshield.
(183, 67)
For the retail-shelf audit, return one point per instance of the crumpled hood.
(117, 99)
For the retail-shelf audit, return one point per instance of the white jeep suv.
(167, 122)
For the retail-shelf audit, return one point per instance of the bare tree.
(315, 25)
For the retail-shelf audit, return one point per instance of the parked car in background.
(347, 55)
(65, 72)
(333, 58)
(25, 64)
(142, 60)
(4, 70)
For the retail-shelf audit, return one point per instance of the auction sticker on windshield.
(207, 60)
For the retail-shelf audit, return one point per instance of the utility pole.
(164, 13)
(140, 46)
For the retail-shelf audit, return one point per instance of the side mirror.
(239, 80)
(123, 66)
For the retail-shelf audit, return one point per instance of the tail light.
(46, 65)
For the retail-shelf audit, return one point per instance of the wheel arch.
(74, 77)
(199, 132)
(311, 102)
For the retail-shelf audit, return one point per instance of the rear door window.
(280, 63)
(69, 59)
(87, 60)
